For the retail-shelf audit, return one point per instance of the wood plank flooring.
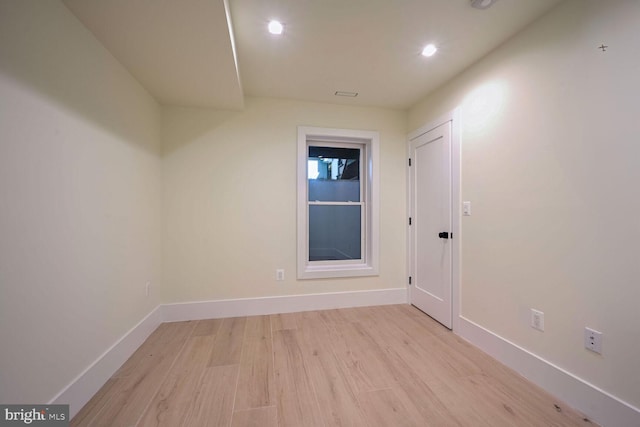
(381, 366)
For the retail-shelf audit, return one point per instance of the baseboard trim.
(85, 385)
(599, 405)
(280, 304)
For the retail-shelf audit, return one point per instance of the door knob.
(444, 235)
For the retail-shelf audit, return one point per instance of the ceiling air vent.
(482, 4)
(344, 93)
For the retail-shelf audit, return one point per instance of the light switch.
(466, 208)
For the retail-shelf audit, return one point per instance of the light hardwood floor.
(382, 366)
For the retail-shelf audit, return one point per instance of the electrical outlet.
(146, 288)
(537, 319)
(593, 340)
(280, 274)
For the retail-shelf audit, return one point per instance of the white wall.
(230, 199)
(550, 162)
(80, 192)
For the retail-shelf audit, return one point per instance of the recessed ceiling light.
(429, 50)
(275, 27)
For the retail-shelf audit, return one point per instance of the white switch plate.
(280, 274)
(593, 340)
(466, 208)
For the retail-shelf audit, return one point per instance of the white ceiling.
(183, 52)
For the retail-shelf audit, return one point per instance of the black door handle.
(444, 235)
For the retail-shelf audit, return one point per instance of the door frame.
(456, 203)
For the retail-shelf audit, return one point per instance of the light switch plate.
(466, 208)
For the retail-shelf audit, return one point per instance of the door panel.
(431, 216)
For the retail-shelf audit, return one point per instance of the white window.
(337, 203)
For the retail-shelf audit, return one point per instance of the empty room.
(320, 212)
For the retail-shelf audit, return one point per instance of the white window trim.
(369, 265)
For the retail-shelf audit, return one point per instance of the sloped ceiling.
(184, 51)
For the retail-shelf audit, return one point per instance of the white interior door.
(431, 223)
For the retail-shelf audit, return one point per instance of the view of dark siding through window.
(335, 208)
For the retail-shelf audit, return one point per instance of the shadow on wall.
(44, 48)
(183, 125)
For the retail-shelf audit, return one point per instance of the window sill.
(336, 271)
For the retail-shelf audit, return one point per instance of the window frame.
(368, 142)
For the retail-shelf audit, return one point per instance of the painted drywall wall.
(550, 163)
(80, 196)
(230, 198)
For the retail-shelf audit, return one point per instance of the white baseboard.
(85, 385)
(600, 406)
(280, 304)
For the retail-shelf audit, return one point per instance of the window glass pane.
(334, 232)
(312, 169)
(338, 174)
